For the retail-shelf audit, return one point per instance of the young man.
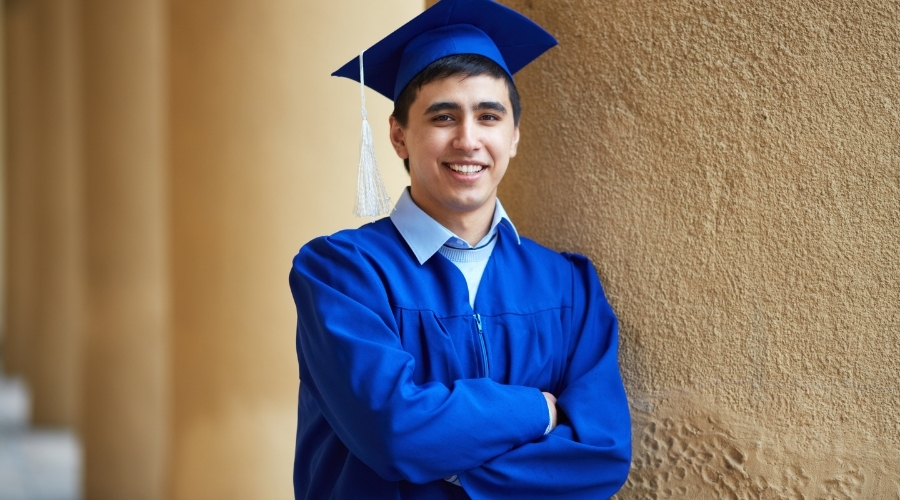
(441, 355)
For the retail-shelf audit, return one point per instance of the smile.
(466, 169)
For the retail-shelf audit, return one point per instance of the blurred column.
(126, 362)
(21, 241)
(264, 152)
(45, 260)
(4, 209)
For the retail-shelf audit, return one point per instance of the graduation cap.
(450, 27)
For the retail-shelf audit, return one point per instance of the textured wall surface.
(733, 169)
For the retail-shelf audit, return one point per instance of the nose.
(467, 138)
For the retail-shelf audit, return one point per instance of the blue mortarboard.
(450, 27)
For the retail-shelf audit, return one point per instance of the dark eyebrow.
(452, 106)
(492, 105)
(442, 106)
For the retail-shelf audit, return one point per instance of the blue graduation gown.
(403, 384)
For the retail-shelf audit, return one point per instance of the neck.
(470, 225)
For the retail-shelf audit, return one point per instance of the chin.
(469, 203)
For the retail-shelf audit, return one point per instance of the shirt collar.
(425, 236)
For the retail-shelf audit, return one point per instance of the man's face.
(459, 138)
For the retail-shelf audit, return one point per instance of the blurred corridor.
(163, 162)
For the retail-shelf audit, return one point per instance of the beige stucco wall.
(733, 169)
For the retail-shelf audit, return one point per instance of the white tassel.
(371, 197)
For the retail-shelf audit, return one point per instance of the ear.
(398, 138)
(514, 146)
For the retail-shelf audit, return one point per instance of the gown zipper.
(484, 356)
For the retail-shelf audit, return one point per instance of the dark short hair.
(458, 64)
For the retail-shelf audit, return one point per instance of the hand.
(551, 404)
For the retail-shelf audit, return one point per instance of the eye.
(442, 118)
(490, 117)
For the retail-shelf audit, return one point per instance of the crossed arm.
(489, 434)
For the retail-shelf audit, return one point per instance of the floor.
(35, 463)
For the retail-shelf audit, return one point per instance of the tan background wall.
(733, 169)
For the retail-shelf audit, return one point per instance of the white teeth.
(465, 169)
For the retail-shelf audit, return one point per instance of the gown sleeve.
(356, 371)
(588, 455)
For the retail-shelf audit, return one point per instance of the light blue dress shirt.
(426, 237)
